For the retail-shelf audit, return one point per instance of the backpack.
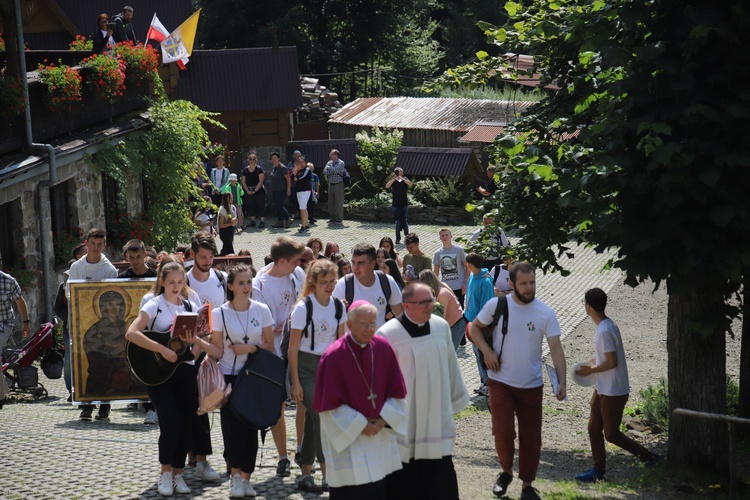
(384, 285)
(309, 326)
(213, 391)
(501, 309)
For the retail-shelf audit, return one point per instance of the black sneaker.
(86, 412)
(501, 484)
(530, 493)
(283, 468)
(307, 483)
(261, 225)
(250, 224)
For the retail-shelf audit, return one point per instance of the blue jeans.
(400, 214)
(278, 199)
(482, 371)
(66, 358)
(458, 331)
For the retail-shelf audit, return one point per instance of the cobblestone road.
(49, 453)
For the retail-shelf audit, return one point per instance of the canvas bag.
(213, 391)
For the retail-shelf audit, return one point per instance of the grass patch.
(478, 407)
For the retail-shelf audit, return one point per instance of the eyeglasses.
(421, 303)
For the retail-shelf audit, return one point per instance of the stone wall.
(448, 216)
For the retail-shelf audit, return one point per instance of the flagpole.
(149, 29)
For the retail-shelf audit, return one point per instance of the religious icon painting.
(100, 313)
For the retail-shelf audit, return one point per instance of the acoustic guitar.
(150, 367)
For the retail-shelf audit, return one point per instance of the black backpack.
(500, 310)
(384, 284)
(309, 330)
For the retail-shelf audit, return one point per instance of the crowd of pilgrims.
(365, 411)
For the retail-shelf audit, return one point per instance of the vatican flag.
(178, 46)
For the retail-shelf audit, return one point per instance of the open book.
(198, 323)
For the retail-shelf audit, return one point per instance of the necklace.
(247, 320)
(169, 308)
(372, 395)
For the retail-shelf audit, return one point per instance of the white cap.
(232, 177)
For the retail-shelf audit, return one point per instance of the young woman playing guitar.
(175, 398)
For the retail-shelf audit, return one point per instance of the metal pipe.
(52, 161)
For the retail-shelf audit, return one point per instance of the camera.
(110, 26)
(396, 171)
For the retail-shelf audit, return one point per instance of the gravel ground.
(641, 317)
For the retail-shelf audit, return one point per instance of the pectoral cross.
(372, 397)
(245, 338)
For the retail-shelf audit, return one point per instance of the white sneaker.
(179, 484)
(165, 484)
(249, 490)
(151, 418)
(236, 488)
(204, 471)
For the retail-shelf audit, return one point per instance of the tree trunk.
(697, 381)
(743, 408)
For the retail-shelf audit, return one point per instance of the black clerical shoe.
(501, 484)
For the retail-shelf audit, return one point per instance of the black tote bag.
(259, 390)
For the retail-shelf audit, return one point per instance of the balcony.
(47, 124)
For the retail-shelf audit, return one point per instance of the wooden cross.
(246, 338)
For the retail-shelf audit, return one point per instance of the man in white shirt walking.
(612, 390)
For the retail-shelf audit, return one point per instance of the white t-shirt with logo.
(161, 313)
(192, 297)
(612, 382)
(323, 322)
(279, 294)
(528, 325)
(210, 291)
(373, 294)
(242, 327)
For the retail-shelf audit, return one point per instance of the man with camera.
(398, 184)
(122, 31)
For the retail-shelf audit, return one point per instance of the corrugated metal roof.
(83, 14)
(482, 133)
(317, 151)
(485, 132)
(442, 162)
(227, 80)
(432, 113)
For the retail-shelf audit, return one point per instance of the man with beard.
(514, 371)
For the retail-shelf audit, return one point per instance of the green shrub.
(440, 192)
(655, 402)
(381, 200)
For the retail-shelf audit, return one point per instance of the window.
(11, 243)
(114, 201)
(66, 234)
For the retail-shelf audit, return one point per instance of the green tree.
(164, 156)
(658, 170)
(377, 156)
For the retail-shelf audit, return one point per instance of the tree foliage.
(658, 170)
(357, 48)
(377, 155)
(163, 156)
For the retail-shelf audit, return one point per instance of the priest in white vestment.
(360, 396)
(435, 392)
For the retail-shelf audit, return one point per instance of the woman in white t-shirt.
(175, 398)
(304, 355)
(241, 327)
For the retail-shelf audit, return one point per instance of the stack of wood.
(318, 103)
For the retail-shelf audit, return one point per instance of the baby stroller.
(17, 367)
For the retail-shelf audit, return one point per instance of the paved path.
(49, 453)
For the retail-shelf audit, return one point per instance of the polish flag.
(157, 31)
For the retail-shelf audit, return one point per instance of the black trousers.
(424, 479)
(254, 205)
(240, 441)
(175, 402)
